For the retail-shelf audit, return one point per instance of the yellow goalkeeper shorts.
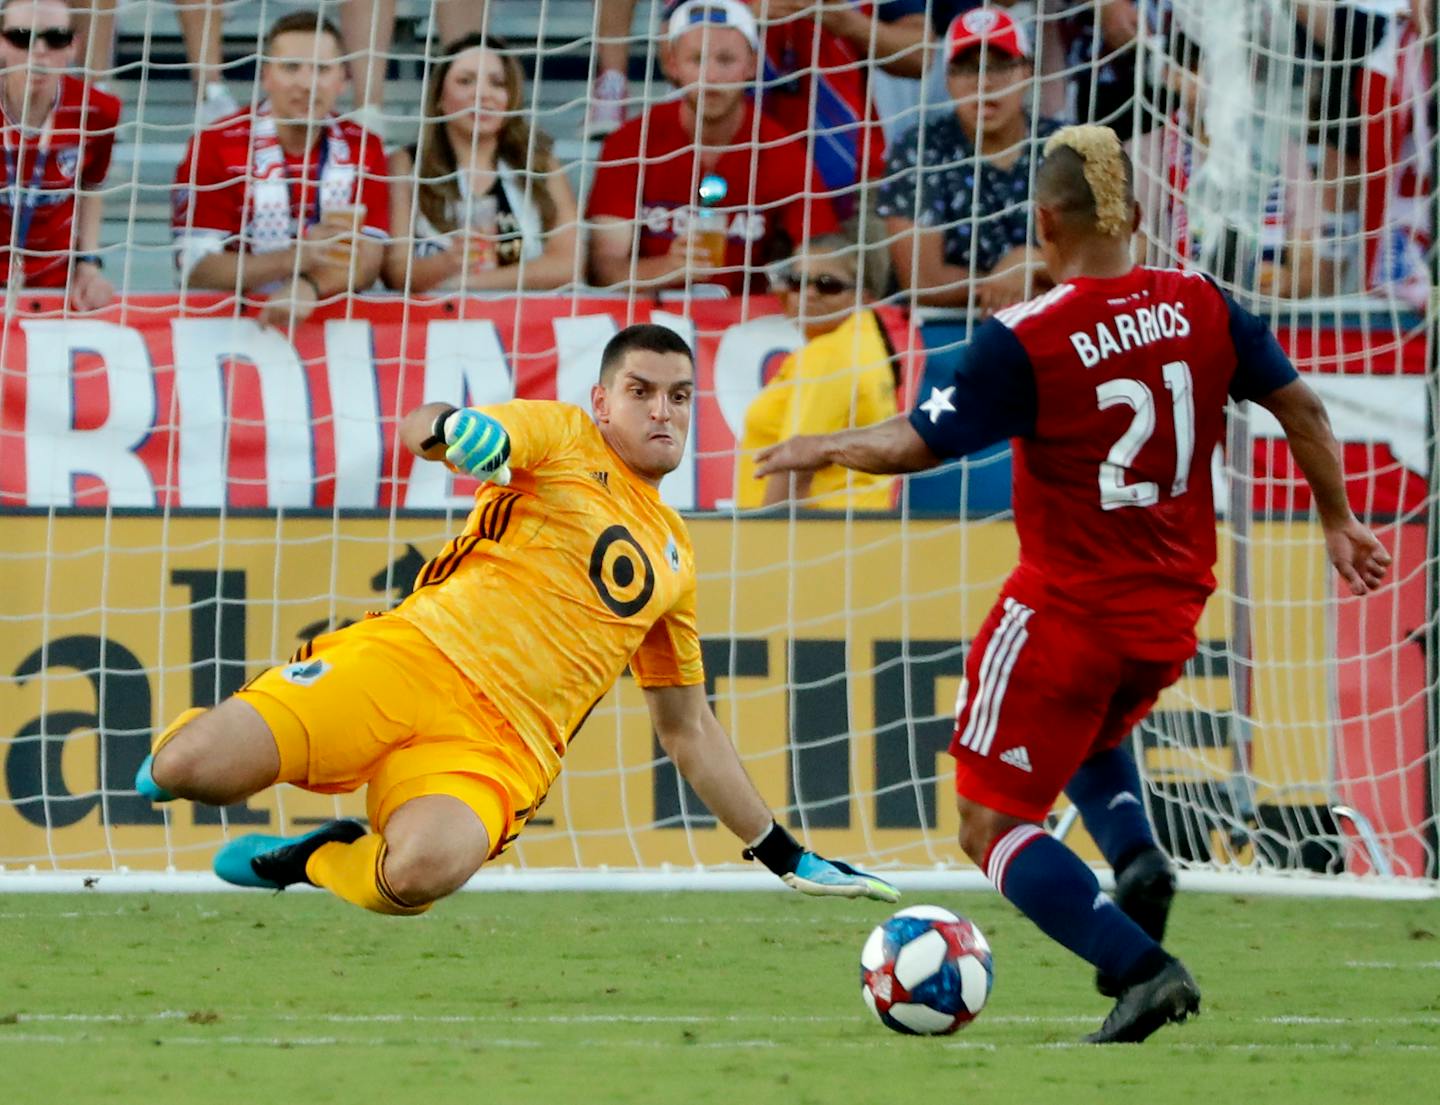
(377, 703)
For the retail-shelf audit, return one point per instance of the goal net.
(200, 469)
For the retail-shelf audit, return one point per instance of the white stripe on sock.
(1005, 849)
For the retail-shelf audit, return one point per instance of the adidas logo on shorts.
(1017, 757)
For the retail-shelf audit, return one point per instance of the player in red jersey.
(288, 200)
(58, 135)
(1113, 385)
(643, 200)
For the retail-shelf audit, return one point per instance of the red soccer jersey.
(768, 182)
(1115, 391)
(215, 187)
(43, 171)
(813, 81)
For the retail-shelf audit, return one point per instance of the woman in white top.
(479, 203)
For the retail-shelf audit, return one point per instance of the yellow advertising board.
(834, 648)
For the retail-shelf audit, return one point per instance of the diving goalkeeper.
(455, 709)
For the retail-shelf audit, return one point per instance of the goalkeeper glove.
(808, 873)
(476, 444)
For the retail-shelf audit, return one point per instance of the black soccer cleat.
(1144, 890)
(275, 862)
(1170, 995)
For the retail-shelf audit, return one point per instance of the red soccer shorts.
(1042, 694)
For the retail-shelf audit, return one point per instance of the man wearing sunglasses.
(58, 136)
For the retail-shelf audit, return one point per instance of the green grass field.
(669, 998)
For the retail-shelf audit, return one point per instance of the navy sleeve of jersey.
(989, 398)
(1260, 364)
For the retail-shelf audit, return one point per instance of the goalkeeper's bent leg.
(145, 784)
(427, 850)
(356, 873)
(217, 756)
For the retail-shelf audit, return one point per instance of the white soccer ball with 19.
(926, 972)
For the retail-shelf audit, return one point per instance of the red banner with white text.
(169, 402)
(162, 402)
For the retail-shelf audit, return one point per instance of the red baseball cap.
(985, 27)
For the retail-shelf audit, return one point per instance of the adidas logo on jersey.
(602, 478)
(1017, 757)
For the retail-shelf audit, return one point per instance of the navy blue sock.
(1049, 884)
(1106, 790)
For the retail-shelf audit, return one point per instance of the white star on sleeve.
(938, 403)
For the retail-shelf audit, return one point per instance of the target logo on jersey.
(926, 971)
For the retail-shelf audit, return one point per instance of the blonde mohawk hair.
(1107, 172)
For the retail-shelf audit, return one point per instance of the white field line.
(1389, 965)
(179, 1015)
(718, 1045)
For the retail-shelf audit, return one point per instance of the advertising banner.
(834, 652)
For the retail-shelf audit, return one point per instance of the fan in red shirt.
(643, 201)
(289, 199)
(1113, 386)
(58, 135)
(816, 63)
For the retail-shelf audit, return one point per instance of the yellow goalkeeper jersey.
(560, 579)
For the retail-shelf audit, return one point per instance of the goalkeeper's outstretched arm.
(702, 752)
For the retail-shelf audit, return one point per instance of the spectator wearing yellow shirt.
(845, 375)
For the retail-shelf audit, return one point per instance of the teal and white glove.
(809, 873)
(820, 876)
(477, 444)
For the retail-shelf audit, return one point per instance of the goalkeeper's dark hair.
(1087, 176)
(645, 337)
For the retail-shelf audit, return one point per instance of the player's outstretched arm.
(467, 439)
(883, 448)
(701, 750)
(1356, 552)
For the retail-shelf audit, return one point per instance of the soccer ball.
(926, 972)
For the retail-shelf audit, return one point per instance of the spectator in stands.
(845, 375)
(201, 28)
(1099, 52)
(642, 206)
(58, 133)
(956, 194)
(816, 59)
(290, 199)
(478, 156)
(1273, 252)
(1374, 92)
(368, 28)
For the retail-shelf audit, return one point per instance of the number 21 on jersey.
(1114, 491)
